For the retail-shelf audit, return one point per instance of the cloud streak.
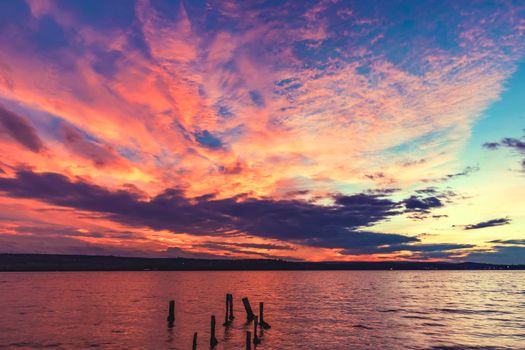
(488, 223)
(20, 130)
(446, 249)
(514, 144)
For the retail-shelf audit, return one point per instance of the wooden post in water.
(249, 312)
(226, 315)
(248, 341)
(171, 314)
(263, 324)
(213, 339)
(194, 347)
(231, 307)
(256, 339)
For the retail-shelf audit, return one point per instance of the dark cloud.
(417, 203)
(428, 190)
(182, 253)
(488, 223)
(257, 98)
(268, 246)
(20, 129)
(434, 247)
(453, 255)
(420, 205)
(509, 241)
(499, 255)
(467, 171)
(383, 191)
(357, 239)
(234, 249)
(514, 144)
(64, 231)
(416, 248)
(439, 216)
(206, 139)
(491, 145)
(331, 226)
(76, 142)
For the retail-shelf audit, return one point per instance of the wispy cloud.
(509, 241)
(20, 130)
(488, 223)
(514, 144)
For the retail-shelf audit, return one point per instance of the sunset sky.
(308, 130)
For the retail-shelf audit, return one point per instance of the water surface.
(307, 309)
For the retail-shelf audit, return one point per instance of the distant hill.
(45, 262)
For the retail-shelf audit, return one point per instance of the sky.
(299, 130)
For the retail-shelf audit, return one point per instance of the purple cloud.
(301, 222)
(20, 129)
(514, 144)
(489, 223)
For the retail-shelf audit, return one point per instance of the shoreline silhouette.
(55, 262)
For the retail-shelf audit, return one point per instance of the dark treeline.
(45, 262)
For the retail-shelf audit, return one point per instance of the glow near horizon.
(274, 105)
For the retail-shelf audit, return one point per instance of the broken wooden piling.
(231, 307)
(256, 339)
(248, 341)
(263, 324)
(213, 339)
(228, 316)
(194, 347)
(249, 312)
(171, 313)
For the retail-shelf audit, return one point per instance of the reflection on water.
(307, 309)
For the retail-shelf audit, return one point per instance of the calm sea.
(306, 309)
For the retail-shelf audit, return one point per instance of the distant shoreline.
(51, 262)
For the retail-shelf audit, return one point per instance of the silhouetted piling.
(256, 339)
(171, 314)
(248, 341)
(213, 339)
(228, 316)
(231, 307)
(194, 347)
(249, 312)
(263, 324)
